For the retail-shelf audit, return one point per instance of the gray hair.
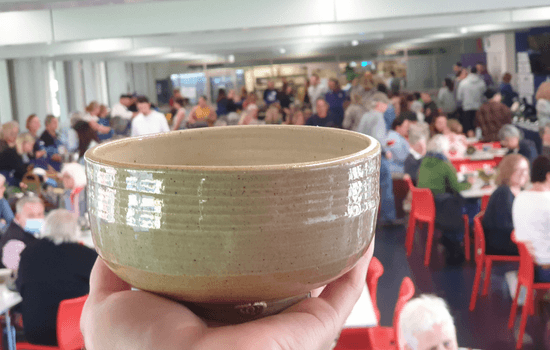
(77, 172)
(61, 226)
(372, 101)
(422, 314)
(507, 131)
(416, 135)
(438, 144)
(26, 200)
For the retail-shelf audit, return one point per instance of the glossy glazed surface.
(234, 214)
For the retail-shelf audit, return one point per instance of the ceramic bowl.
(240, 215)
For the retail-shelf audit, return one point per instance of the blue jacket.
(508, 94)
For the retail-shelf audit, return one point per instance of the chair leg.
(475, 288)
(410, 234)
(523, 322)
(487, 282)
(467, 237)
(514, 309)
(429, 243)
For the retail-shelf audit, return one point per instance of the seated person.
(202, 114)
(24, 145)
(457, 140)
(6, 214)
(250, 115)
(439, 175)
(513, 175)
(439, 125)
(74, 183)
(511, 138)
(53, 268)
(425, 324)
(417, 151)
(50, 143)
(414, 123)
(29, 218)
(323, 117)
(105, 121)
(545, 137)
(531, 215)
(10, 161)
(397, 146)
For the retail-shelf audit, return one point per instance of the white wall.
(501, 57)
(31, 88)
(6, 113)
(117, 80)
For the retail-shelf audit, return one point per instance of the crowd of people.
(420, 133)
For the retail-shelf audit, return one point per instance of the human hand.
(389, 156)
(39, 154)
(114, 317)
(56, 158)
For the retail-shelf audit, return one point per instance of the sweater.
(439, 175)
(497, 222)
(470, 92)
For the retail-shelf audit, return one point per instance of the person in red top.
(175, 96)
(74, 182)
(492, 116)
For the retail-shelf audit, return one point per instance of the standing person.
(176, 93)
(29, 219)
(49, 142)
(397, 146)
(372, 123)
(222, 103)
(323, 117)
(482, 71)
(180, 115)
(92, 117)
(395, 84)
(120, 109)
(470, 93)
(104, 120)
(430, 108)
(335, 98)
(315, 91)
(52, 269)
(148, 121)
(506, 90)
(286, 98)
(270, 94)
(457, 70)
(202, 115)
(354, 112)
(33, 125)
(446, 97)
(513, 175)
(531, 217)
(492, 116)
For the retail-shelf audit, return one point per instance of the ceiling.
(246, 30)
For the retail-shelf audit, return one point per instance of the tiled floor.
(485, 327)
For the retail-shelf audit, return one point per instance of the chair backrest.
(479, 237)
(409, 182)
(526, 272)
(406, 292)
(376, 269)
(485, 202)
(422, 202)
(69, 336)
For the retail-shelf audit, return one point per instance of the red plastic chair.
(378, 338)
(68, 327)
(423, 210)
(526, 277)
(485, 202)
(376, 269)
(483, 259)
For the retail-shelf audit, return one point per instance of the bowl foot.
(234, 313)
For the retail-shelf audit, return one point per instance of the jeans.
(387, 202)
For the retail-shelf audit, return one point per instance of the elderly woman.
(53, 268)
(438, 174)
(530, 214)
(513, 175)
(10, 160)
(354, 112)
(425, 323)
(543, 103)
(74, 182)
(511, 138)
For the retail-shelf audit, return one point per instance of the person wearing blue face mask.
(29, 219)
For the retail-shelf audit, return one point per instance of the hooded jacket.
(470, 92)
(543, 111)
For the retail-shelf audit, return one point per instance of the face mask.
(34, 226)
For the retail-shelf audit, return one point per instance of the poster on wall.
(189, 92)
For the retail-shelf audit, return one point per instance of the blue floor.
(485, 327)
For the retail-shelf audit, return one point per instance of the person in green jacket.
(439, 175)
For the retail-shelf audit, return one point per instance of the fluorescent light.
(231, 58)
(282, 50)
(354, 43)
(464, 30)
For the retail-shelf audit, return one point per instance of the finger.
(104, 282)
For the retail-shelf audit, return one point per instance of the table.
(479, 160)
(362, 315)
(477, 190)
(8, 300)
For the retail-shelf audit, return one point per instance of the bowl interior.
(248, 146)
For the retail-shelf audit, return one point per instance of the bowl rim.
(91, 155)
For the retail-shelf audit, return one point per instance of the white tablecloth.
(362, 314)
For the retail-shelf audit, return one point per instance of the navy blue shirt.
(498, 224)
(315, 120)
(335, 100)
(270, 96)
(528, 149)
(508, 94)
